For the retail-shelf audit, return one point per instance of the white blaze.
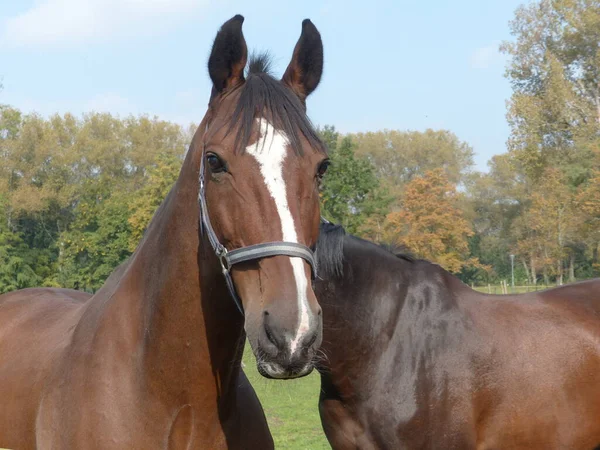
(270, 152)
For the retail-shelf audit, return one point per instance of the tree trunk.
(546, 277)
(572, 269)
(559, 273)
(533, 274)
(9, 221)
(529, 280)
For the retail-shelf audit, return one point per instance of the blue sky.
(396, 64)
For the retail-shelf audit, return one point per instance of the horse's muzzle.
(282, 355)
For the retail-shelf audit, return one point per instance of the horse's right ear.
(228, 56)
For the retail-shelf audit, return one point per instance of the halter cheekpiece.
(251, 253)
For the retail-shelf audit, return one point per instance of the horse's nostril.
(270, 336)
(311, 341)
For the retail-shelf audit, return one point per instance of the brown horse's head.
(263, 164)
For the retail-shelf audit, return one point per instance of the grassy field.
(291, 408)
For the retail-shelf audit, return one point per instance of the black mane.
(399, 251)
(330, 250)
(263, 94)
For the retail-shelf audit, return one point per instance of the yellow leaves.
(552, 221)
(431, 223)
(589, 198)
(27, 199)
(146, 201)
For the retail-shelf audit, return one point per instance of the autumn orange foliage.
(430, 222)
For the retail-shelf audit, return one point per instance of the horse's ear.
(228, 56)
(304, 71)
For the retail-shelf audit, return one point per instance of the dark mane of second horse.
(331, 249)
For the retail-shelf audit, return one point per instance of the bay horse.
(415, 359)
(152, 360)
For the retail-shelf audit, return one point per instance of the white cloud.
(486, 57)
(52, 23)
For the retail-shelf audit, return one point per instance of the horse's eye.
(215, 164)
(323, 168)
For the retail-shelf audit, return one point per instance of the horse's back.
(36, 317)
(35, 327)
(576, 306)
(542, 371)
(581, 298)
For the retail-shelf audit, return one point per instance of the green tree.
(75, 191)
(16, 271)
(588, 204)
(146, 201)
(97, 242)
(549, 226)
(554, 146)
(554, 69)
(350, 192)
(492, 203)
(400, 156)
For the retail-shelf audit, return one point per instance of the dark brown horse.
(418, 360)
(152, 360)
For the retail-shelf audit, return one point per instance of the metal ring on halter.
(224, 260)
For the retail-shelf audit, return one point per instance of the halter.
(250, 253)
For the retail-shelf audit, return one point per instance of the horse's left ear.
(304, 71)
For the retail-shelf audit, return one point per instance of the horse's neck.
(171, 303)
(395, 330)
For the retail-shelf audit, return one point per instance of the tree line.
(76, 193)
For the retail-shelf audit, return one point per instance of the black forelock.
(261, 95)
(260, 63)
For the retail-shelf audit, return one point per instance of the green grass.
(291, 407)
